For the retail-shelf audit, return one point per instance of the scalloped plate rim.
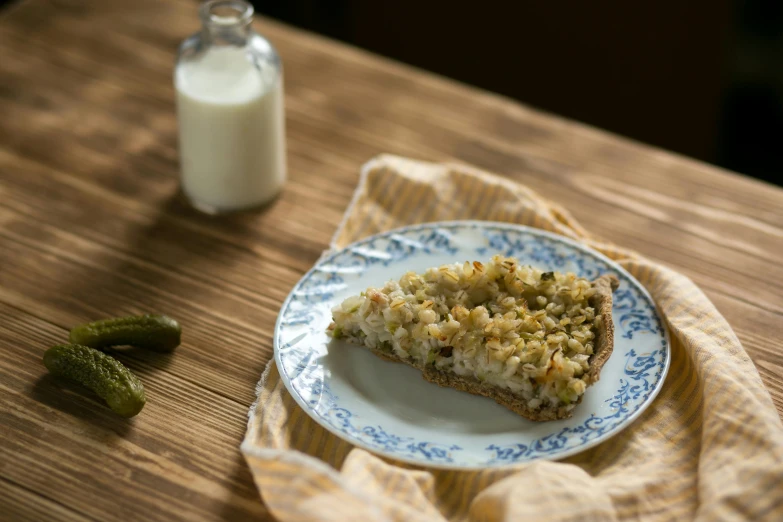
(331, 254)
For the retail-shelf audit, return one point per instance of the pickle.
(101, 373)
(155, 332)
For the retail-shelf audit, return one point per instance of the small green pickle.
(103, 374)
(154, 332)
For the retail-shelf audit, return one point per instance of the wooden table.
(90, 227)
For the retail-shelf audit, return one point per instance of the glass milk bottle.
(229, 84)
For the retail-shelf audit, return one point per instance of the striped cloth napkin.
(709, 448)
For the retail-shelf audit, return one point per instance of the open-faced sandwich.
(531, 340)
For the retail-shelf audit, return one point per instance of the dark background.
(703, 77)
(700, 77)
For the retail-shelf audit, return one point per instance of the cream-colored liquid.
(231, 131)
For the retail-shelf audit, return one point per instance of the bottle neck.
(226, 22)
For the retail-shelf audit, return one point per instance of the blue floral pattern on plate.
(340, 396)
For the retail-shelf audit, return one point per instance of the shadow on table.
(244, 496)
(76, 400)
(183, 243)
(160, 360)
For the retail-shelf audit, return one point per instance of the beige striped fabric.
(709, 448)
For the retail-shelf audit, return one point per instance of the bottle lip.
(226, 13)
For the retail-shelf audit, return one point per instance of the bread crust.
(601, 301)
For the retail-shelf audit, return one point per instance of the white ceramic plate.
(389, 409)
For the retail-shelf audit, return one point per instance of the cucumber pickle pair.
(81, 361)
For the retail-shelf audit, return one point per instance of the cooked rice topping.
(506, 324)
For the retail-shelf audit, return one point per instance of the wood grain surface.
(91, 226)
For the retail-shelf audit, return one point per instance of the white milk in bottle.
(230, 112)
